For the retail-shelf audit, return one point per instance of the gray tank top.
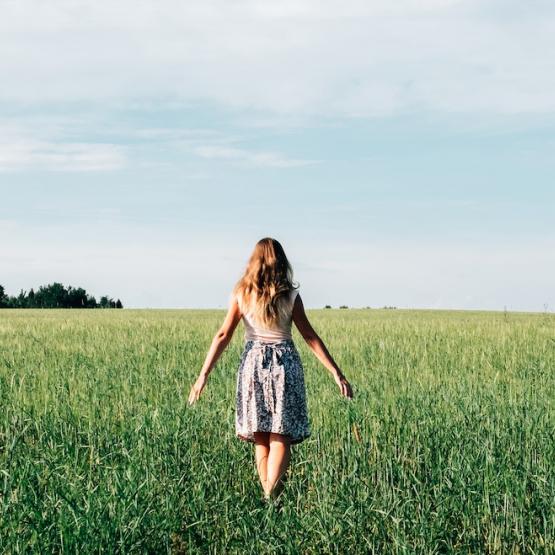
(253, 331)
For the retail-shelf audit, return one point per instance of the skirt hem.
(293, 440)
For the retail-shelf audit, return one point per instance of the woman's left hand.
(344, 385)
(197, 388)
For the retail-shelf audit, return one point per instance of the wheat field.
(448, 445)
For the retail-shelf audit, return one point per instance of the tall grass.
(448, 445)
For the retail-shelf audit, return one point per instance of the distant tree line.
(368, 307)
(55, 295)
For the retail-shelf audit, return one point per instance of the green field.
(447, 446)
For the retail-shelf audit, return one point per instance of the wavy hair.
(266, 284)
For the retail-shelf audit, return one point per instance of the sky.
(403, 153)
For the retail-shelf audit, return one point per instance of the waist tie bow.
(270, 355)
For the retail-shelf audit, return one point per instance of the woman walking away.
(271, 407)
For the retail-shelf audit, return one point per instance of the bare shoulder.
(232, 317)
(236, 299)
(298, 306)
(298, 309)
(301, 320)
(234, 306)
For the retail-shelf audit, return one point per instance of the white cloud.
(250, 158)
(172, 134)
(303, 58)
(80, 157)
(24, 146)
(21, 149)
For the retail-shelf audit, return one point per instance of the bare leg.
(278, 462)
(262, 450)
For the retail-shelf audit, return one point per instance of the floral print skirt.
(271, 394)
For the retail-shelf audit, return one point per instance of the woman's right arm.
(219, 343)
(318, 348)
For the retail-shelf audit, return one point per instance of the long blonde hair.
(265, 287)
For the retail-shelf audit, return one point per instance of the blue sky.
(403, 155)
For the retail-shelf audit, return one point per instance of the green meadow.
(448, 445)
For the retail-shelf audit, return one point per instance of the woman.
(271, 408)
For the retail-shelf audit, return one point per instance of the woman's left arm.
(218, 346)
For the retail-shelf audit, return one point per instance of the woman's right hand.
(344, 385)
(197, 388)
